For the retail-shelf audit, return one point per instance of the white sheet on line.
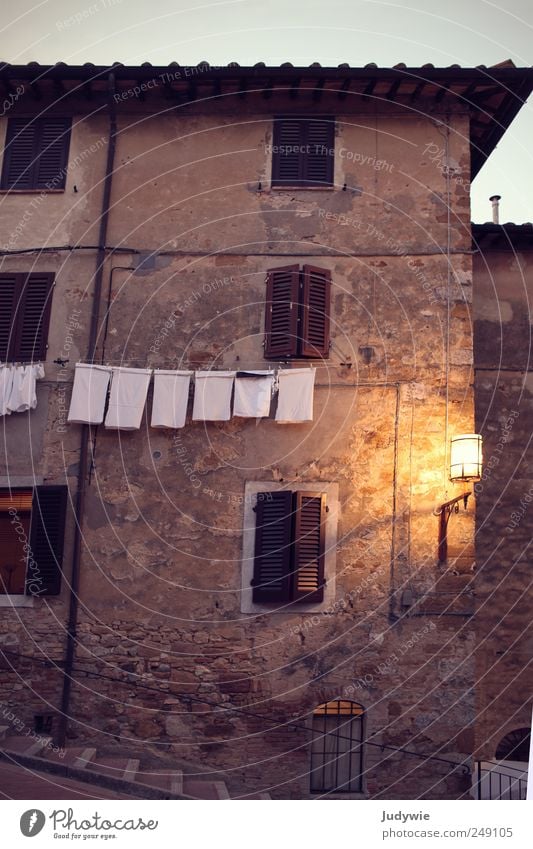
(295, 398)
(6, 382)
(171, 394)
(212, 396)
(89, 393)
(253, 394)
(129, 388)
(27, 396)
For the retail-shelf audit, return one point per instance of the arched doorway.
(514, 746)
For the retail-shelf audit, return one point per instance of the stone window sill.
(17, 600)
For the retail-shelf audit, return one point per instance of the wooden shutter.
(36, 153)
(316, 294)
(54, 138)
(18, 170)
(309, 547)
(272, 558)
(33, 318)
(303, 152)
(281, 313)
(320, 159)
(287, 158)
(43, 573)
(8, 293)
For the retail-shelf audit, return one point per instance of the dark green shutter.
(48, 513)
(272, 558)
(309, 547)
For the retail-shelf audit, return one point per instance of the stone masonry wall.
(176, 670)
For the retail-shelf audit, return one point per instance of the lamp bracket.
(444, 511)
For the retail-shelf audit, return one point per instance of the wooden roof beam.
(369, 88)
(343, 93)
(391, 94)
(318, 90)
(442, 92)
(419, 89)
(268, 89)
(295, 89)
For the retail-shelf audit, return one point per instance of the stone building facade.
(160, 233)
(502, 342)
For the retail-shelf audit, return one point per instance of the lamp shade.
(466, 460)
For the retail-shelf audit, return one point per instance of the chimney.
(495, 200)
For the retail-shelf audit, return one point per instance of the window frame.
(40, 538)
(15, 127)
(18, 315)
(320, 788)
(302, 182)
(291, 608)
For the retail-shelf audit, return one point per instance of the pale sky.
(464, 32)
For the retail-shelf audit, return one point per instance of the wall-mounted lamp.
(466, 457)
(466, 464)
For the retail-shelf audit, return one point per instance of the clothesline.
(250, 390)
(235, 366)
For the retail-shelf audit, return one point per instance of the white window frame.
(248, 546)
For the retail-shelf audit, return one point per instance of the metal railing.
(496, 780)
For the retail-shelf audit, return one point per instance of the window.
(289, 547)
(297, 312)
(515, 746)
(36, 153)
(25, 302)
(337, 748)
(32, 522)
(303, 152)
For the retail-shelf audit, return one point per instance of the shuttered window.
(303, 152)
(289, 547)
(32, 524)
(297, 312)
(36, 153)
(25, 303)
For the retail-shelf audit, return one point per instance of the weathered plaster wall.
(504, 409)
(163, 530)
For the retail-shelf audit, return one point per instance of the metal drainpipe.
(85, 433)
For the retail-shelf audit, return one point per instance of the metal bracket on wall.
(444, 512)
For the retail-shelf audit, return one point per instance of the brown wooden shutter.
(287, 160)
(281, 312)
(272, 558)
(303, 152)
(18, 169)
(320, 158)
(8, 294)
(33, 318)
(36, 153)
(43, 572)
(54, 138)
(316, 294)
(309, 547)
